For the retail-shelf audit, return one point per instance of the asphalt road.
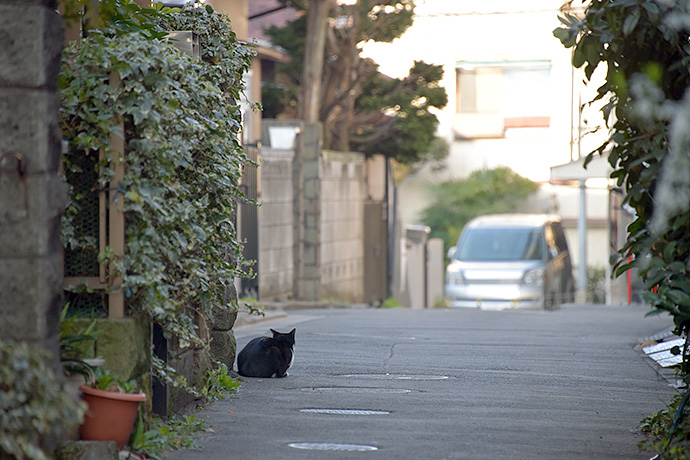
(446, 384)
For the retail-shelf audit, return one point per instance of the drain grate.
(359, 390)
(330, 446)
(345, 411)
(396, 377)
(423, 377)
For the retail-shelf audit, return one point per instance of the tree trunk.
(317, 18)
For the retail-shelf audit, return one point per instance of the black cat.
(267, 356)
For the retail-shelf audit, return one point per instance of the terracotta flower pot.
(111, 415)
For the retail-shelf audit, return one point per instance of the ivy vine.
(183, 160)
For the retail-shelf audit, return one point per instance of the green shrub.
(485, 191)
(596, 285)
(174, 434)
(667, 432)
(34, 406)
(391, 302)
(642, 46)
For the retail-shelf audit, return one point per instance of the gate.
(375, 252)
(249, 222)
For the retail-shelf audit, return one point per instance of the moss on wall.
(125, 344)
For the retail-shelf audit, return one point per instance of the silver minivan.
(510, 261)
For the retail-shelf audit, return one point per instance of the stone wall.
(32, 197)
(276, 229)
(342, 227)
(311, 221)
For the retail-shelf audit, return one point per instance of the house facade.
(514, 100)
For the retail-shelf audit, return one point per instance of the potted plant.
(113, 406)
(77, 349)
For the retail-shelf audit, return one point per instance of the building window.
(495, 97)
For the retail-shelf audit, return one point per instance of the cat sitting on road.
(267, 356)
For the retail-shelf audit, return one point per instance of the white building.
(514, 101)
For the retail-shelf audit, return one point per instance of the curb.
(278, 310)
(310, 305)
(247, 319)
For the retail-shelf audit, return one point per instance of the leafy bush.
(390, 302)
(666, 431)
(596, 288)
(485, 191)
(644, 45)
(174, 434)
(34, 407)
(219, 383)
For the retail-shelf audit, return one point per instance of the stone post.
(304, 139)
(32, 196)
(312, 168)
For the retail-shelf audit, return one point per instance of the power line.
(490, 13)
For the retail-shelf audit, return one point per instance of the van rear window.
(500, 244)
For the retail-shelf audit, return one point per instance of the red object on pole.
(629, 276)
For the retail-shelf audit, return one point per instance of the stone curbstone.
(88, 450)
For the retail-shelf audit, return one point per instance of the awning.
(599, 167)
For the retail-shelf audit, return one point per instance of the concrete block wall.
(32, 197)
(311, 221)
(276, 225)
(343, 188)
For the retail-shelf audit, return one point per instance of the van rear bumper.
(495, 296)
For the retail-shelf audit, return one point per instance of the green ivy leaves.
(33, 405)
(183, 159)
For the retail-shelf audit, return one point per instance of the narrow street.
(446, 384)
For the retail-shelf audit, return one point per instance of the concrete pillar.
(582, 237)
(32, 196)
(434, 273)
(310, 282)
(416, 238)
(305, 140)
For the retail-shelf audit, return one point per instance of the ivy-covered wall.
(179, 120)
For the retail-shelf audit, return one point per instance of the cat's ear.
(274, 332)
(292, 332)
